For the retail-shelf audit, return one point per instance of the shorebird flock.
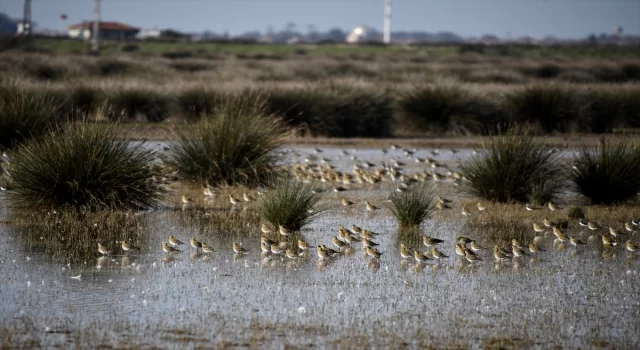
(396, 170)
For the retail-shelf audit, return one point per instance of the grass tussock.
(447, 109)
(334, 111)
(84, 165)
(25, 114)
(234, 145)
(413, 206)
(608, 174)
(547, 109)
(290, 203)
(196, 103)
(140, 103)
(514, 168)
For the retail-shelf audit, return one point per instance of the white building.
(362, 34)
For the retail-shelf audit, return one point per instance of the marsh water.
(583, 297)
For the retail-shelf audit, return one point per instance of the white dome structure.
(363, 33)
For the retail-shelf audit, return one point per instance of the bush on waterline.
(412, 206)
(84, 165)
(609, 173)
(514, 167)
(234, 145)
(290, 203)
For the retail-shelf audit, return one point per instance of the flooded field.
(60, 292)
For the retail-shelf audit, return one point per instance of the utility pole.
(26, 19)
(386, 33)
(95, 40)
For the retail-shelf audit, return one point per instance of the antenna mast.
(95, 40)
(386, 34)
(26, 19)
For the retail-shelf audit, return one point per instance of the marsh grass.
(334, 111)
(514, 168)
(548, 109)
(411, 236)
(448, 109)
(217, 221)
(234, 145)
(608, 174)
(140, 102)
(195, 103)
(575, 213)
(498, 230)
(84, 165)
(413, 206)
(290, 203)
(25, 114)
(82, 101)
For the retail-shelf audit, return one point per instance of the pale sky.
(537, 18)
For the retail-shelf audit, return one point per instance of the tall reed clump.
(24, 114)
(514, 167)
(608, 174)
(234, 145)
(290, 203)
(412, 206)
(85, 166)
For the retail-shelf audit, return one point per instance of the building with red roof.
(108, 31)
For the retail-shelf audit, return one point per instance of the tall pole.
(386, 34)
(96, 29)
(26, 19)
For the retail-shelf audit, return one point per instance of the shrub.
(196, 102)
(441, 109)
(111, 67)
(235, 144)
(547, 108)
(575, 213)
(614, 108)
(544, 71)
(514, 167)
(84, 165)
(45, 71)
(132, 103)
(608, 174)
(190, 67)
(24, 114)
(290, 203)
(334, 112)
(130, 48)
(83, 100)
(413, 206)
(174, 55)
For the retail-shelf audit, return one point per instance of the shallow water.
(575, 298)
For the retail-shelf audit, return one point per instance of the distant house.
(108, 31)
